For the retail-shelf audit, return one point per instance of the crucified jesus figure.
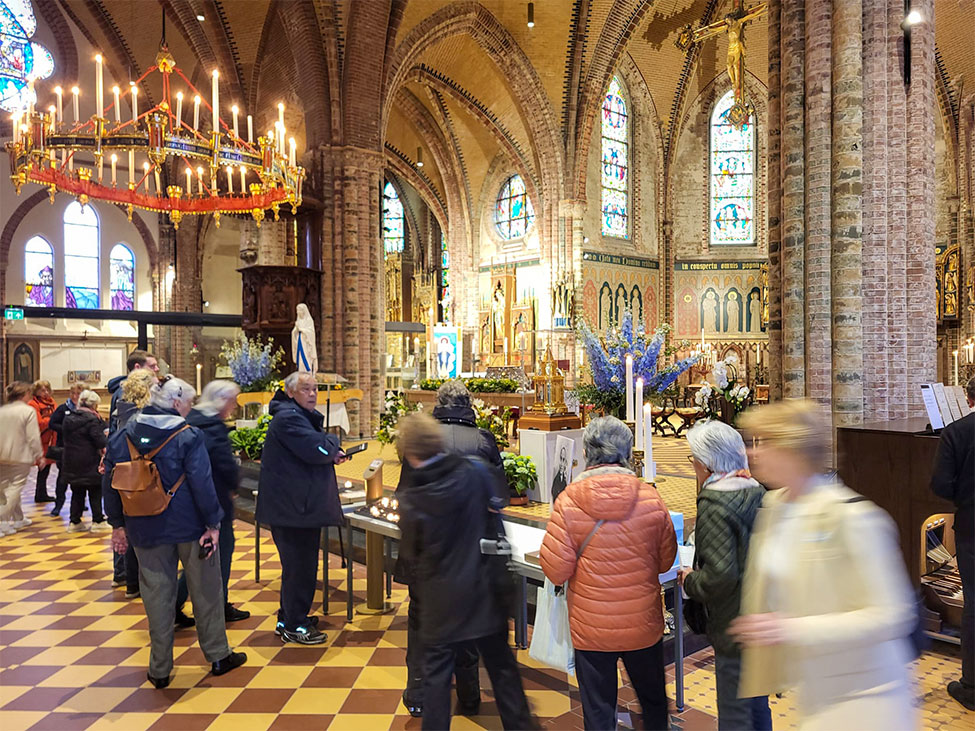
(734, 24)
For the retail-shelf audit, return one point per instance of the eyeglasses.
(690, 458)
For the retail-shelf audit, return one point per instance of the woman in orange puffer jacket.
(45, 406)
(609, 537)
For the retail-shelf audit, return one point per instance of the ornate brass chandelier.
(224, 172)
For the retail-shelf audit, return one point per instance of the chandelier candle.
(135, 106)
(291, 153)
(145, 175)
(235, 110)
(628, 393)
(215, 101)
(131, 168)
(75, 91)
(243, 178)
(114, 162)
(189, 182)
(230, 179)
(250, 130)
(199, 180)
(59, 93)
(179, 111)
(118, 107)
(99, 86)
(281, 114)
(196, 113)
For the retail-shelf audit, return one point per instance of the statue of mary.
(304, 350)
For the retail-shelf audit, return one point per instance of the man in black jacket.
(298, 495)
(463, 437)
(57, 426)
(445, 514)
(954, 479)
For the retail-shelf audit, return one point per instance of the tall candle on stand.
(179, 110)
(199, 377)
(648, 470)
(215, 100)
(638, 435)
(99, 86)
(629, 388)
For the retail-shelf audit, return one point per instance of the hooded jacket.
(444, 515)
(614, 586)
(57, 420)
(84, 440)
(726, 510)
(297, 487)
(45, 409)
(193, 507)
(20, 439)
(223, 464)
(115, 389)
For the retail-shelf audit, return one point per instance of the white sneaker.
(77, 528)
(6, 529)
(101, 527)
(18, 524)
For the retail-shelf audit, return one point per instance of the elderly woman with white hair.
(83, 433)
(217, 402)
(728, 500)
(186, 532)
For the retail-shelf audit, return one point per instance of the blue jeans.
(225, 547)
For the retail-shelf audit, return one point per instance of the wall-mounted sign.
(13, 313)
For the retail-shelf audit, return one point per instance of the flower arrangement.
(520, 472)
(252, 362)
(606, 358)
(726, 398)
(494, 423)
(397, 406)
(474, 385)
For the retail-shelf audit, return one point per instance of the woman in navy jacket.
(298, 495)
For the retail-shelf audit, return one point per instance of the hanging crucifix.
(734, 24)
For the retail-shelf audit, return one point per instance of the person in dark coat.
(83, 432)
(57, 426)
(444, 515)
(461, 436)
(954, 479)
(187, 532)
(137, 359)
(217, 403)
(297, 496)
(728, 501)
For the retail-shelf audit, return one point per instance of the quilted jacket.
(613, 587)
(726, 511)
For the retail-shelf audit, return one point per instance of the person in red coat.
(44, 405)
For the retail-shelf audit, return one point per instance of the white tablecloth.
(338, 416)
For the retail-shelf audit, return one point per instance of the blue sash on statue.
(302, 358)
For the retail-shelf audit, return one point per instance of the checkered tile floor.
(73, 655)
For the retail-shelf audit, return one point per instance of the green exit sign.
(13, 313)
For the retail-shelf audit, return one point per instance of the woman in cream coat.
(20, 449)
(826, 603)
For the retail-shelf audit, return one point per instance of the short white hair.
(170, 392)
(215, 397)
(607, 440)
(291, 382)
(718, 447)
(89, 399)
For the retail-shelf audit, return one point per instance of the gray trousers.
(158, 568)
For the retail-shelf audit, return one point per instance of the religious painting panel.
(612, 283)
(23, 361)
(721, 298)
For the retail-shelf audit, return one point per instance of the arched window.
(513, 213)
(393, 222)
(21, 60)
(615, 171)
(81, 246)
(38, 273)
(445, 296)
(122, 278)
(732, 178)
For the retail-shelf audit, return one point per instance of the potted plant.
(520, 472)
(248, 442)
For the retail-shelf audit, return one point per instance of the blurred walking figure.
(954, 479)
(726, 506)
(45, 406)
(826, 605)
(609, 538)
(20, 449)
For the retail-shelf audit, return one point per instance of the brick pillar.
(774, 197)
(187, 293)
(353, 321)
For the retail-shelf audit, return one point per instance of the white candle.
(99, 86)
(145, 175)
(75, 91)
(118, 107)
(215, 100)
(135, 105)
(628, 394)
(101, 167)
(15, 120)
(243, 180)
(230, 179)
(59, 93)
(199, 377)
(235, 110)
(155, 173)
(189, 182)
(648, 471)
(291, 156)
(250, 129)
(71, 163)
(281, 114)
(955, 354)
(131, 167)
(638, 436)
(702, 338)
(114, 164)
(199, 180)
(179, 111)
(196, 112)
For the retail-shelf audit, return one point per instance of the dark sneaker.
(44, 499)
(469, 709)
(414, 708)
(310, 621)
(56, 510)
(131, 593)
(184, 622)
(303, 635)
(232, 614)
(158, 683)
(233, 660)
(965, 696)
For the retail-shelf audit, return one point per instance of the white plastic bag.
(551, 641)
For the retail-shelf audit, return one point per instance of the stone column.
(774, 197)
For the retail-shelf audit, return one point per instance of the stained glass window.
(513, 212)
(393, 223)
(38, 273)
(81, 257)
(21, 61)
(122, 273)
(445, 296)
(732, 178)
(615, 168)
